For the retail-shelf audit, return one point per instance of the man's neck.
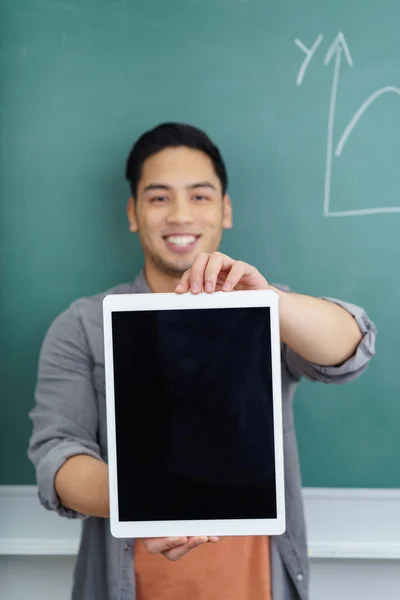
(158, 281)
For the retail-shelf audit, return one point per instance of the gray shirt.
(69, 418)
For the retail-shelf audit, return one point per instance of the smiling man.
(179, 207)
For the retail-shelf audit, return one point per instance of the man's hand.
(175, 548)
(216, 271)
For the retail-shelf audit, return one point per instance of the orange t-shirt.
(235, 568)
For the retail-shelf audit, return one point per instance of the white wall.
(351, 579)
(35, 577)
(354, 542)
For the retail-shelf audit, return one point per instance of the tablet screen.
(194, 414)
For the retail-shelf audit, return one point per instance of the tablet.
(194, 414)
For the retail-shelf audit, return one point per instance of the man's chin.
(174, 268)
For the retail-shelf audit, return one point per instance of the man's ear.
(227, 212)
(131, 214)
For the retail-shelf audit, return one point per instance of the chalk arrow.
(337, 48)
(338, 44)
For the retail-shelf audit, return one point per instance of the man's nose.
(180, 212)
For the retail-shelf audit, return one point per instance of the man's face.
(179, 210)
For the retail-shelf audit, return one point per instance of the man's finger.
(181, 551)
(216, 263)
(234, 276)
(157, 545)
(197, 272)
(184, 283)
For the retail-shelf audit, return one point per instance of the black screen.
(194, 414)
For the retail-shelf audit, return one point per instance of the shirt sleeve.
(298, 367)
(65, 415)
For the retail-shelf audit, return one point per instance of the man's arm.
(319, 331)
(82, 486)
(70, 471)
(333, 369)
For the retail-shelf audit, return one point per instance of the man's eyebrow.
(201, 184)
(156, 186)
(190, 186)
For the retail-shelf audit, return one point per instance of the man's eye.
(159, 199)
(199, 198)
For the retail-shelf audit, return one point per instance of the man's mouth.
(181, 243)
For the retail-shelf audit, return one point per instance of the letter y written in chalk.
(309, 52)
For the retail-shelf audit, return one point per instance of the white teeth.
(181, 240)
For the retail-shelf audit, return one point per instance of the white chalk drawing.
(337, 49)
(309, 54)
(359, 114)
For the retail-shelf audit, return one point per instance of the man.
(179, 207)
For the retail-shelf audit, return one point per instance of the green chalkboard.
(309, 130)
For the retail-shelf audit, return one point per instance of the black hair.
(172, 135)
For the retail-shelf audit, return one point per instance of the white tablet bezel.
(145, 302)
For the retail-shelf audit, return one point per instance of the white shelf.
(341, 524)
